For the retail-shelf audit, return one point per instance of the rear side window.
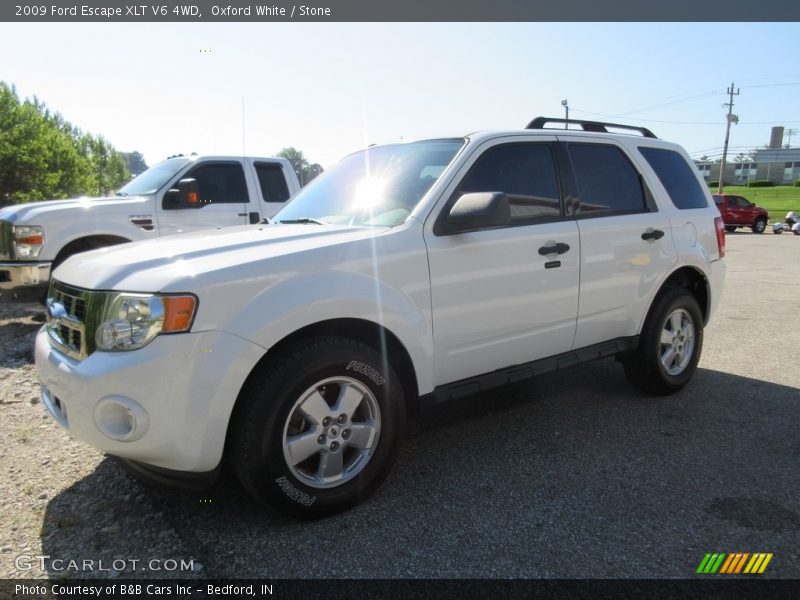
(272, 182)
(677, 177)
(606, 180)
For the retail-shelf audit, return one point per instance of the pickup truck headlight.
(28, 241)
(131, 321)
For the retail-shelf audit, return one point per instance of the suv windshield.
(151, 180)
(377, 186)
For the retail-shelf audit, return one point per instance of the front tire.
(760, 225)
(730, 228)
(318, 428)
(669, 346)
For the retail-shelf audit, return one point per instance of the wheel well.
(367, 332)
(83, 244)
(695, 282)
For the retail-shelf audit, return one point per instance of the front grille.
(75, 305)
(70, 322)
(6, 241)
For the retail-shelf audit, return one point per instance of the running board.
(473, 385)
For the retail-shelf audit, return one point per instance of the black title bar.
(133, 11)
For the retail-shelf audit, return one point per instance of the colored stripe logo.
(734, 563)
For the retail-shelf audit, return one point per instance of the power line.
(607, 116)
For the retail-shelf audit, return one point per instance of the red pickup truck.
(740, 212)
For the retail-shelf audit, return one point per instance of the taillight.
(720, 227)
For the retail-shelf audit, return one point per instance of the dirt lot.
(572, 475)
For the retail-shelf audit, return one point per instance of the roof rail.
(598, 126)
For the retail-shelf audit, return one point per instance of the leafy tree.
(44, 156)
(135, 162)
(304, 170)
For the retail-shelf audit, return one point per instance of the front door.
(223, 200)
(498, 298)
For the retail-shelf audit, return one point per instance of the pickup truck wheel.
(760, 225)
(669, 346)
(319, 428)
(730, 228)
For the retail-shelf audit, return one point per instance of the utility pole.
(789, 133)
(565, 104)
(730, 118)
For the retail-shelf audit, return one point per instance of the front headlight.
(28, 241)
(131, 321)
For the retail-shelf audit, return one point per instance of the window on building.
(745, 171)
(791, 171)
(705, 171)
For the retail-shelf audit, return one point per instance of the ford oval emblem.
(55, 310)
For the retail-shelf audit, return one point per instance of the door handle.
(555, 249)
(653, 234)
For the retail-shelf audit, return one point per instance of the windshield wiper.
(123, 194)
(302, 222)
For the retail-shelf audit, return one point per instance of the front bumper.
(166, 405)
(22, 282)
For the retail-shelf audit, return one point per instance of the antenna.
(244, 153)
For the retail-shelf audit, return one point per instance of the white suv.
(434, 268)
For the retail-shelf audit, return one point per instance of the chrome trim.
(24, 275)
(70, 319)
(6, 240)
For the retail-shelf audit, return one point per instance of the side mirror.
(478, 210)
(186, 195)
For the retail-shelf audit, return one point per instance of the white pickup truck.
(175, 196)
(435, 268)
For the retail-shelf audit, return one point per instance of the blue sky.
(329, 89)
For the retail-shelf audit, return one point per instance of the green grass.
(777, 200)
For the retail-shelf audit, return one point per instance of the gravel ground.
(572, 475)
(59, 496)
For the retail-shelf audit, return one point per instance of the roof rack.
(598, 126)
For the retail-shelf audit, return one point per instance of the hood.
(32, 213)
(180, 262)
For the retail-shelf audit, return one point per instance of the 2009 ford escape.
(434, 268)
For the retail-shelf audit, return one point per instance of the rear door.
(272, 186)
(626, 242)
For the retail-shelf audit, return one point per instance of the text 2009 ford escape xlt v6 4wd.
(434, 268)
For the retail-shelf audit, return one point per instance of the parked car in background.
(790, 223)
(740, 212)
(181, 194)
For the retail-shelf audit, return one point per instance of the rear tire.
(669, 345)
(730, 228)
(760, 225)
(318, 428)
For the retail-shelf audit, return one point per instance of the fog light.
(121, 418)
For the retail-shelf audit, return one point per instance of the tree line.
(44, 156)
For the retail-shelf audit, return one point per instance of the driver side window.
(525, 173)
(217, 183)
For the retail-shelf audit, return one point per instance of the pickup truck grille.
(70, 325)
(6, 241)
